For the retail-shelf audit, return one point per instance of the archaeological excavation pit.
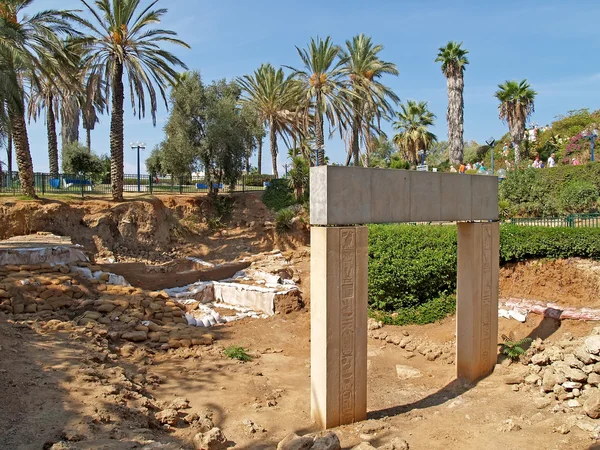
(208, 294)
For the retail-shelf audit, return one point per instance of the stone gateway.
(343, 200)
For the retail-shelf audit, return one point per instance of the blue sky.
(554, 44)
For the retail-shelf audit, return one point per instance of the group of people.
(479, 166)
(539, 164)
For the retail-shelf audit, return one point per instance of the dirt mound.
(154, 229)
(573, 282)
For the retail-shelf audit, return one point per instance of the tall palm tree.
(24, 41)
(46, 95)
(365, 69)
(121, 43)
(516, 106)
(274, 98)
(323, 79)
(413, 122)
(454, 62)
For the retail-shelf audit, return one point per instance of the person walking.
(551, 161)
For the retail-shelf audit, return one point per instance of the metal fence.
(570, 221)
(46, 184)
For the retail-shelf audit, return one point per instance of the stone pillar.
(338, 349)
(477, 299)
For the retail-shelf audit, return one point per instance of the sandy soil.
(572, 282)
(59, 384)
(67, 383)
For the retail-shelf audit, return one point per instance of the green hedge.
(550, 192)
(278, 195)
(410, 266)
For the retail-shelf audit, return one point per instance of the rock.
(592, 345)
(554, 353)
(364, 446)
(541, 403)
(573, 362)
(563, 429)
(510, 425)
(180, 403)
(396, 444)
(575, 374)
(407, 372)
(582, 355)
(593, 379)
(295, 442)
(592, 405)
(540, 359)
(573, 404)
(191, 418)
(328, 442)
(514, 378)
(434, 354)
(135, 336)
(532, 378)
(372, 324)
(168, 416)
(550, 379)
(213, 439)
(570, 385)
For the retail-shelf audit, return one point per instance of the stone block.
(355, 195)
(477, 299)
(339, 259)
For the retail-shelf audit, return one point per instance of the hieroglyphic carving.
(347, 325)
(486, 304)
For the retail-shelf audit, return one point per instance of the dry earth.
(66, 384)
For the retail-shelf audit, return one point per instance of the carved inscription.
(347, 324)
(486, 301)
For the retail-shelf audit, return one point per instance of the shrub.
(429, 312)
(518, 243)
(284, 220)
(237, 352)
(278, 195)
(538, 192)
(512, 348)
(578, 197)
(255, 179)
(409, 265)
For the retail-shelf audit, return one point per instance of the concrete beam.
(355, 195)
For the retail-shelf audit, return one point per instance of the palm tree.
(516, 106)
(273, 97)
(24, 42)
(120, 43)
(365, 68)
(454, 62)
(324, 84)
(413, 122)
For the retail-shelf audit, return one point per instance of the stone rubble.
(563, 377)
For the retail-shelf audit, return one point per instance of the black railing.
(46, 184)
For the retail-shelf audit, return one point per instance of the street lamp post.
(138, 146)
(491, 142)
(592, 137)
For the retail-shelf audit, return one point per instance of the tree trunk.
(454, 116)
(517, 129)
(9, 155)
(116, 134)
(319, 134)
(248, 151)
(368, 145)
(52, 139)
(354, 142)
(273, 139)
(70, 122)
(260, 144)
(19, 133)
(88, 139)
